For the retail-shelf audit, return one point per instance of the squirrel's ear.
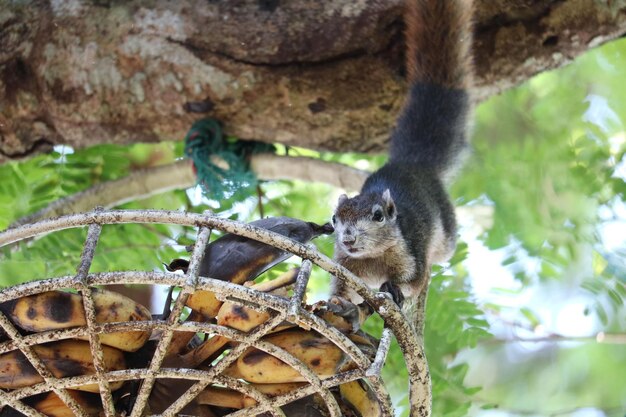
(390, 206)
(342, 198)
(387, 197)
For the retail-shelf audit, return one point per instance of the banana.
(245, 318)
(278, 284)
(64, 358)
(196, 356)
(204, 302)
(229, 398)
(359, 396)
(238, 259)
(320, 354)
(240, 317)
(60, 310)
(181, 340)
(51, 405)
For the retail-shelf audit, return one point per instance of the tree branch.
(321, 75)
(151, 181)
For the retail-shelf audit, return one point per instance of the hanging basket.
(140, 382)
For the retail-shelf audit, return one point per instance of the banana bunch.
(64, 358)
(53, 310)
(61, 310)
(273, 377)
(229, 258)
(241, 260)
(355, 398)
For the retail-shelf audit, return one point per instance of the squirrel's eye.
(378, 216)
(334, 219)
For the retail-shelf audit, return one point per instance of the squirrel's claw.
(394, 291)
(347, 310)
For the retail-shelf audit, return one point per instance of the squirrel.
(403, 221)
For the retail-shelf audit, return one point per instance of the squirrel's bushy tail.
(432, 130)
(438, 36)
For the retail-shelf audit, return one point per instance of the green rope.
(204, 141)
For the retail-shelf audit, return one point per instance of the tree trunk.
(318, 74)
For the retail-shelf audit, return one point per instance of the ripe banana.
(238, 259)
(279, 284)
(229, 398)
(204, 302)
(60, 310)
(207, 350)
(245, 318)
(51, 405)
(359, 396)
(240, 317)
(64, 358)
(320, 354)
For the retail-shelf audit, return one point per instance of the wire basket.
(280, 309)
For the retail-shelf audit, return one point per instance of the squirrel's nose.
(348, 240)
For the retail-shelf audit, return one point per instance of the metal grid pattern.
(280, 310)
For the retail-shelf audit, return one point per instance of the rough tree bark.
(319, 74)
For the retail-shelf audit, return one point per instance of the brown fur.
(438, 36)
(395, 264)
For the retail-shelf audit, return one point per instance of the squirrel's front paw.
(340, 306)
(345, 309)
(394, 291)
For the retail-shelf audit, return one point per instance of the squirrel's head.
(365, 225)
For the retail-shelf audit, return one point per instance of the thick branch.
(146, 182)
(82, 73)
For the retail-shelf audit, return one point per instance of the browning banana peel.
(244, 318)
(232, 315)
(360, 398)
(319, 354)
(196, 356)
(64, 358)
(51, 405)
(229, 398)
(240, 317)
(204, 302)
(53, 310)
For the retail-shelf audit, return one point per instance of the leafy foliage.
(454, 322)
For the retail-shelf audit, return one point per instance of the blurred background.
(527, 319)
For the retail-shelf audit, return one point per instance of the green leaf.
(530, 316)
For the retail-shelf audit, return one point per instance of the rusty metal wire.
(280, 309)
